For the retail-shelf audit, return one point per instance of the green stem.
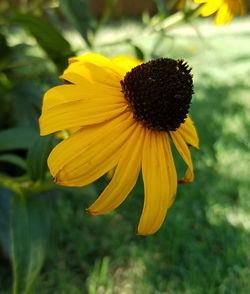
(11, 184)
(172, 20)
(23, 184)
(175, 19)
(166, 24)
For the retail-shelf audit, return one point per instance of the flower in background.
(180, 4)
(224, 9)
(124, 114)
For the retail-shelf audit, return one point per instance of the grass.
(203, 246)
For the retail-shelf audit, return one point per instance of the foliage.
(47, 242)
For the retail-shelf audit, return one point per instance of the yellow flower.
(124, 113)
(180, 4)
(225, 9)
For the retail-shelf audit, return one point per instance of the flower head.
(224, 9)
(123, 115)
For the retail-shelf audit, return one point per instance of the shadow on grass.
(199, 249)
(203, 245)
(196, 251)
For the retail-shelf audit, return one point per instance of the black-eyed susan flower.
(123, 114)
(224, 9)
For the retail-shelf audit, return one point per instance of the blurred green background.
(48, 244)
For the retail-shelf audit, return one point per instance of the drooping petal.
(188, 132)
(157, 183)
(95, 153)
(171, 168)
(79, 114)
(125, 176)
(183, 150)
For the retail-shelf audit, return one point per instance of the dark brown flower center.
(159, 93)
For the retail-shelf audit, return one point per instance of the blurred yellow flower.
(125, 114)
(225, 9)
(180, 4)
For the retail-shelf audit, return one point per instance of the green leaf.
(47, 36)
(5, 51)
(37, 157)
(161, 5)
(107, 12)
(79, 15)
(138, 52)
(14, 159)
(26, 100)
(5, 196)
(16, 138)
(29, 227)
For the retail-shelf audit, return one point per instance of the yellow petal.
(125, 176)
(110, 174)
(94, 68)
(73, 146)
(73, 78)
(79, 114)
(171, 168)
(71, 93)
(94, 73)
(183, 150)
(92, 158)
(89, 57)
(210, 7)
(157, 183)
(223, 16)
(116, 63)
(188, 132)
(126, 63)
(201, 1)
